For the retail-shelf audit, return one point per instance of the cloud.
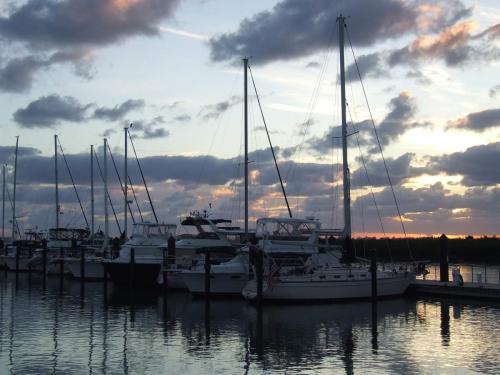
(70, 30)
(182, 118)
(456, 45)
(53, 23)
(18, 73)
(313, 64)
(295, 29)
(400, 170)
(477, 121)
(214, 111)
(119, 111)
(155, 133)
(477, 165)
(49, 111)
(370, 66)
(494, 91)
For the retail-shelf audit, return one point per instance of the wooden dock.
(451, 289)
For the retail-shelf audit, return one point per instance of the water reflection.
(104, 331)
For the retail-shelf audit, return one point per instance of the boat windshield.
(286, 229)
(153, 230)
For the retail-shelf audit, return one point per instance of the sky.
(85, 69)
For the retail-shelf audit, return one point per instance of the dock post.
(443, 259)
(373, 270)
(82, 271)
(30, 252)
(17, 260)
(44, 267)
(164, 268)
(132, 268)
(260, 276)
(61, 267)
(207, 274)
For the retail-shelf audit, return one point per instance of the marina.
(57, 331)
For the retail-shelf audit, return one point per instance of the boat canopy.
(148, 229)
(197, 221)
(286, 227)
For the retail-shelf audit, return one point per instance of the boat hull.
(307, 290)
(223, 284)
(94, 269)
(144, 274)
(10, 263)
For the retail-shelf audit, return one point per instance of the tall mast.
(56, 178)
(105, 178)
(245, 66)
(345, 172)
(125, 186)
(14, 193)
(92, 223)
(3, 201)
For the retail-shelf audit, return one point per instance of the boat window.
(336, 277)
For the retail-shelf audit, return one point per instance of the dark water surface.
(57, 332)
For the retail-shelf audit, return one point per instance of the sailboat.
(316, 279)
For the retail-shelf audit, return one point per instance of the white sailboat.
(315, 279)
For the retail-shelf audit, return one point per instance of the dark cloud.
(370, 66)
(494, 91)
(17, 74)
(477, 121)
(398, 121)
(182, 118)
(477, 165)
(53, 23)
(296, 28)
(155, 133)
(49, 111)
(400, 170)
(214, 111)
(119, 111)
(313, 64)
(419, 77)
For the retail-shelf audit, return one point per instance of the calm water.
(57, 332)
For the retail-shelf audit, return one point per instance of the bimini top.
(286, 226)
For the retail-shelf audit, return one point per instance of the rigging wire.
(270, 144)
(120, 181)
(380, 146)
(73, 182)
(12, 207)
(135, 198)
(107, 193)
(143, 179)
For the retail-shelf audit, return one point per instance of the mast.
(56, 178)
(3, 201)
(105, 178)
(14, 193)
(345, 172)
(245, 67)
(92, 222)
(125, 187)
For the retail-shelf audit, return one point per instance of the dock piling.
(260, 276)
(82, 271)
(373, 270)
(443, 259)
(132, 268)
(207, 274)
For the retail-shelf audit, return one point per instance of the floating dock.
(451, 289)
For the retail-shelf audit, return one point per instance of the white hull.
(93, 268)
(10, 262)
(220, 283)
(302, 289)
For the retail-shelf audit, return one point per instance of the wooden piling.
(82, 271)
(44, 267)
(260, 275)
(165, 265)
(132, 268)
(443, 258)
(17, 260)
(207, 274)
(373, 270)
